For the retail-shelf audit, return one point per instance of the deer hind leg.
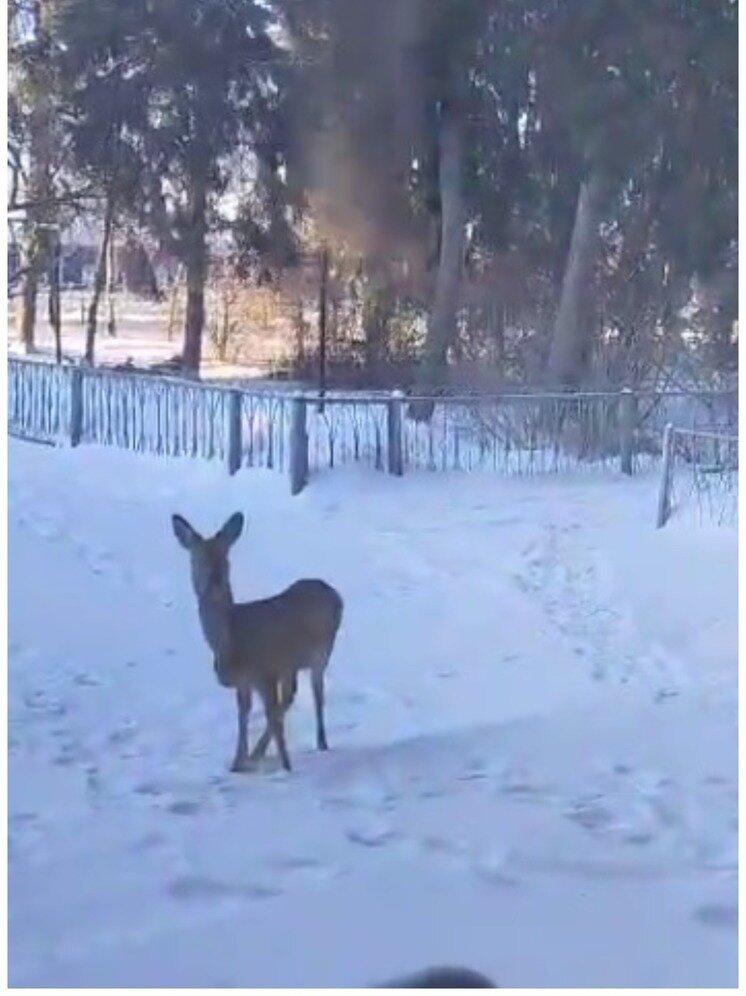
(286, 691)
(243, 702)
(275, 715)
(317, 684)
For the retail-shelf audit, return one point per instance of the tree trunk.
(323, 287)
(30, 290)
(111, 277)
(572, 335)
(99, 282)
(442, 323)
(174, 303)
(196, 271)
(41, 146)
(376, 314)
(301, 329)
(55, 298)
(191, 356)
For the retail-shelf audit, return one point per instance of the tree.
(33, 147)
(212, 92)
(165, 95)
(384, 147)
(628, 82)
(594, 79)
(106, 75)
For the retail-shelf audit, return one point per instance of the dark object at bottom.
(441, 978)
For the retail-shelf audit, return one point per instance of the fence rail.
(517, 433)
(699, 472)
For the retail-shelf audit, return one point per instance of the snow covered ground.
(531, 709)
(142, 335)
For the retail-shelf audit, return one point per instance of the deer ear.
(185, 534)
(231, 530)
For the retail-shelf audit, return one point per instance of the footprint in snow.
(477, 769)
(591, 813)
(21, 819)
(521, 789)
(304, 868)
(123, 735)
(720, 915)
(197, 887)
(184, 807)
(433, 792)
(85, 680)
(638, 838)
(376, 833)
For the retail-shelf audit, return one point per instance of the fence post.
(76, 405)
(395, 441)
(298, 445)
(627, 424)
(664, 494)
(234, 431)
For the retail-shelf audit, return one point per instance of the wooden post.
(76, 405)
(323, 281)
(664, 494)
(395, 440)
(234, 431)
(298, 446)
(627, 425)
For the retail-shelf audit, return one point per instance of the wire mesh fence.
(265, 421)
(38, 400)
(154, 415)
(517, 434)
(509, 433)
(347, 430)
(700, 477)
(704, 411)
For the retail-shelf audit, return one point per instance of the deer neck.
(215, 612)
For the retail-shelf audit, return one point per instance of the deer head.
(209, 557)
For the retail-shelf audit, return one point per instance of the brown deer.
(260, 646)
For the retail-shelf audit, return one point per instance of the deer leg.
(243, 702)
(275, 714)
(317, 684)
(288, 688)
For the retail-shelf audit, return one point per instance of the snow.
(142, 335)
(531, 712)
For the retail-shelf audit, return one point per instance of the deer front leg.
(243, 701)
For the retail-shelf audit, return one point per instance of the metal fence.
(153, 415)
(509, 433)
(699, 474)
(147, 414)
(518, 433)
(38, 400)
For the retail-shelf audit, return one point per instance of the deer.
(261, 646)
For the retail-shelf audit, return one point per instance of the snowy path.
(528, 772)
